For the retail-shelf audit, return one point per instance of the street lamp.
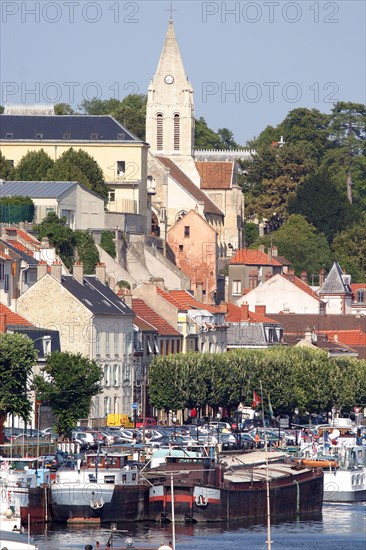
(174, 419)
(218, 416)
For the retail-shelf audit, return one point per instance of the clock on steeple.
(169, 79)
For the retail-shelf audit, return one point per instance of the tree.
(60, 236)
(68, 382)
(87, 250)
(227, 138)
(34, 166)
(302, 245)
(323, 204)
(107, 243)
(64, 109)
(6, 169)
(17, 358)
(79, 166)
(16, 209)
(349, 248)
(1, 109)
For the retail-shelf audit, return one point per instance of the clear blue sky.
(273, 56)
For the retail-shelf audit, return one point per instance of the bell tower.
(170, 107)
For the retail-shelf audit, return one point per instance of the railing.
(28, 450)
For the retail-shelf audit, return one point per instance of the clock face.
(169, 79)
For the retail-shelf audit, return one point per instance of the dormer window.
(361, 295)
(9, 135)
(94, 136)
(39, 136)
(121, 136)
(67, 136)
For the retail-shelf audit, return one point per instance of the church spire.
(170, 108)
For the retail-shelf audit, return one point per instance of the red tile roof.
(183, 300)
(144, 325)
(154, 319)
(181, 178)
(246, 256)
(216, 175)
(348, 337)
(27, 237)
(237, 314)
(11, 318)
(21, 247)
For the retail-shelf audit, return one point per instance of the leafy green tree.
(349, 248)
(1, 109)
(34, 166)
(251, 233)
(107, 243)
(17, 358)
(87, 250)
(64, 109)
(68, 382)
(79, 166)
(227, 138)
(16, 209)
(205, 138)
(99, 106)
(6, 169)
(266, 138)
(60, 236)
(323, 204)
(302, 245)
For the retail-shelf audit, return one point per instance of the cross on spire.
(171, 9)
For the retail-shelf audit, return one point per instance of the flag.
(270, 407)
(256, 400)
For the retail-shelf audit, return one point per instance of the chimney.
(56, 270)
(127, 298)
(2, 323)
(261, 310)
(335, 337)
(78, 272)
(274, 251)
(101, 272)
(45, 243)
(321, 277)
(253, 280)
(304, 277)
(42, 269)
(199, 293)
(268, 276)
(308, 336)
(261, 248)
(245, 311)
(269, 254)
(291, 276)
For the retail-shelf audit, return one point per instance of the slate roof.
(334, 283)
(39, 189)
(153, 318)
(216, 175)
(246, 256)
(96, 296)
(182, 179)
(22, 251)
(66, 128)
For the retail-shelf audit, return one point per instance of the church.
(200, 183)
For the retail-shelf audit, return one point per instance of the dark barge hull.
(128, 503)
(290, 496)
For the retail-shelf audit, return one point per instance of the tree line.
(291, 377)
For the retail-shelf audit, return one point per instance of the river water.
(340, 527)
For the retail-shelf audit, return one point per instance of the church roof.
(336, 282)
(182, 179)
(216, 175)
(67, 128)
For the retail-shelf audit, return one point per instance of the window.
(178, 346)
(121, 135)
(6, 283)
(180, 248)
(94, 136)
(159, 131)
(67, 136)
(10, 162)
(360, 295)
(121, 167)
(115, 375)
(97, 342)
(187, 231)
(176, 132)
(111, 195)
(2, 271)
(116, 342)
(39, 136)
(180, 215)
(9, 136)
(107, 343)
(236, 288)
(106, 378)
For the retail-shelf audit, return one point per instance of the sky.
(250, 62)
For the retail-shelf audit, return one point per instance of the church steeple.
(170, 107)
